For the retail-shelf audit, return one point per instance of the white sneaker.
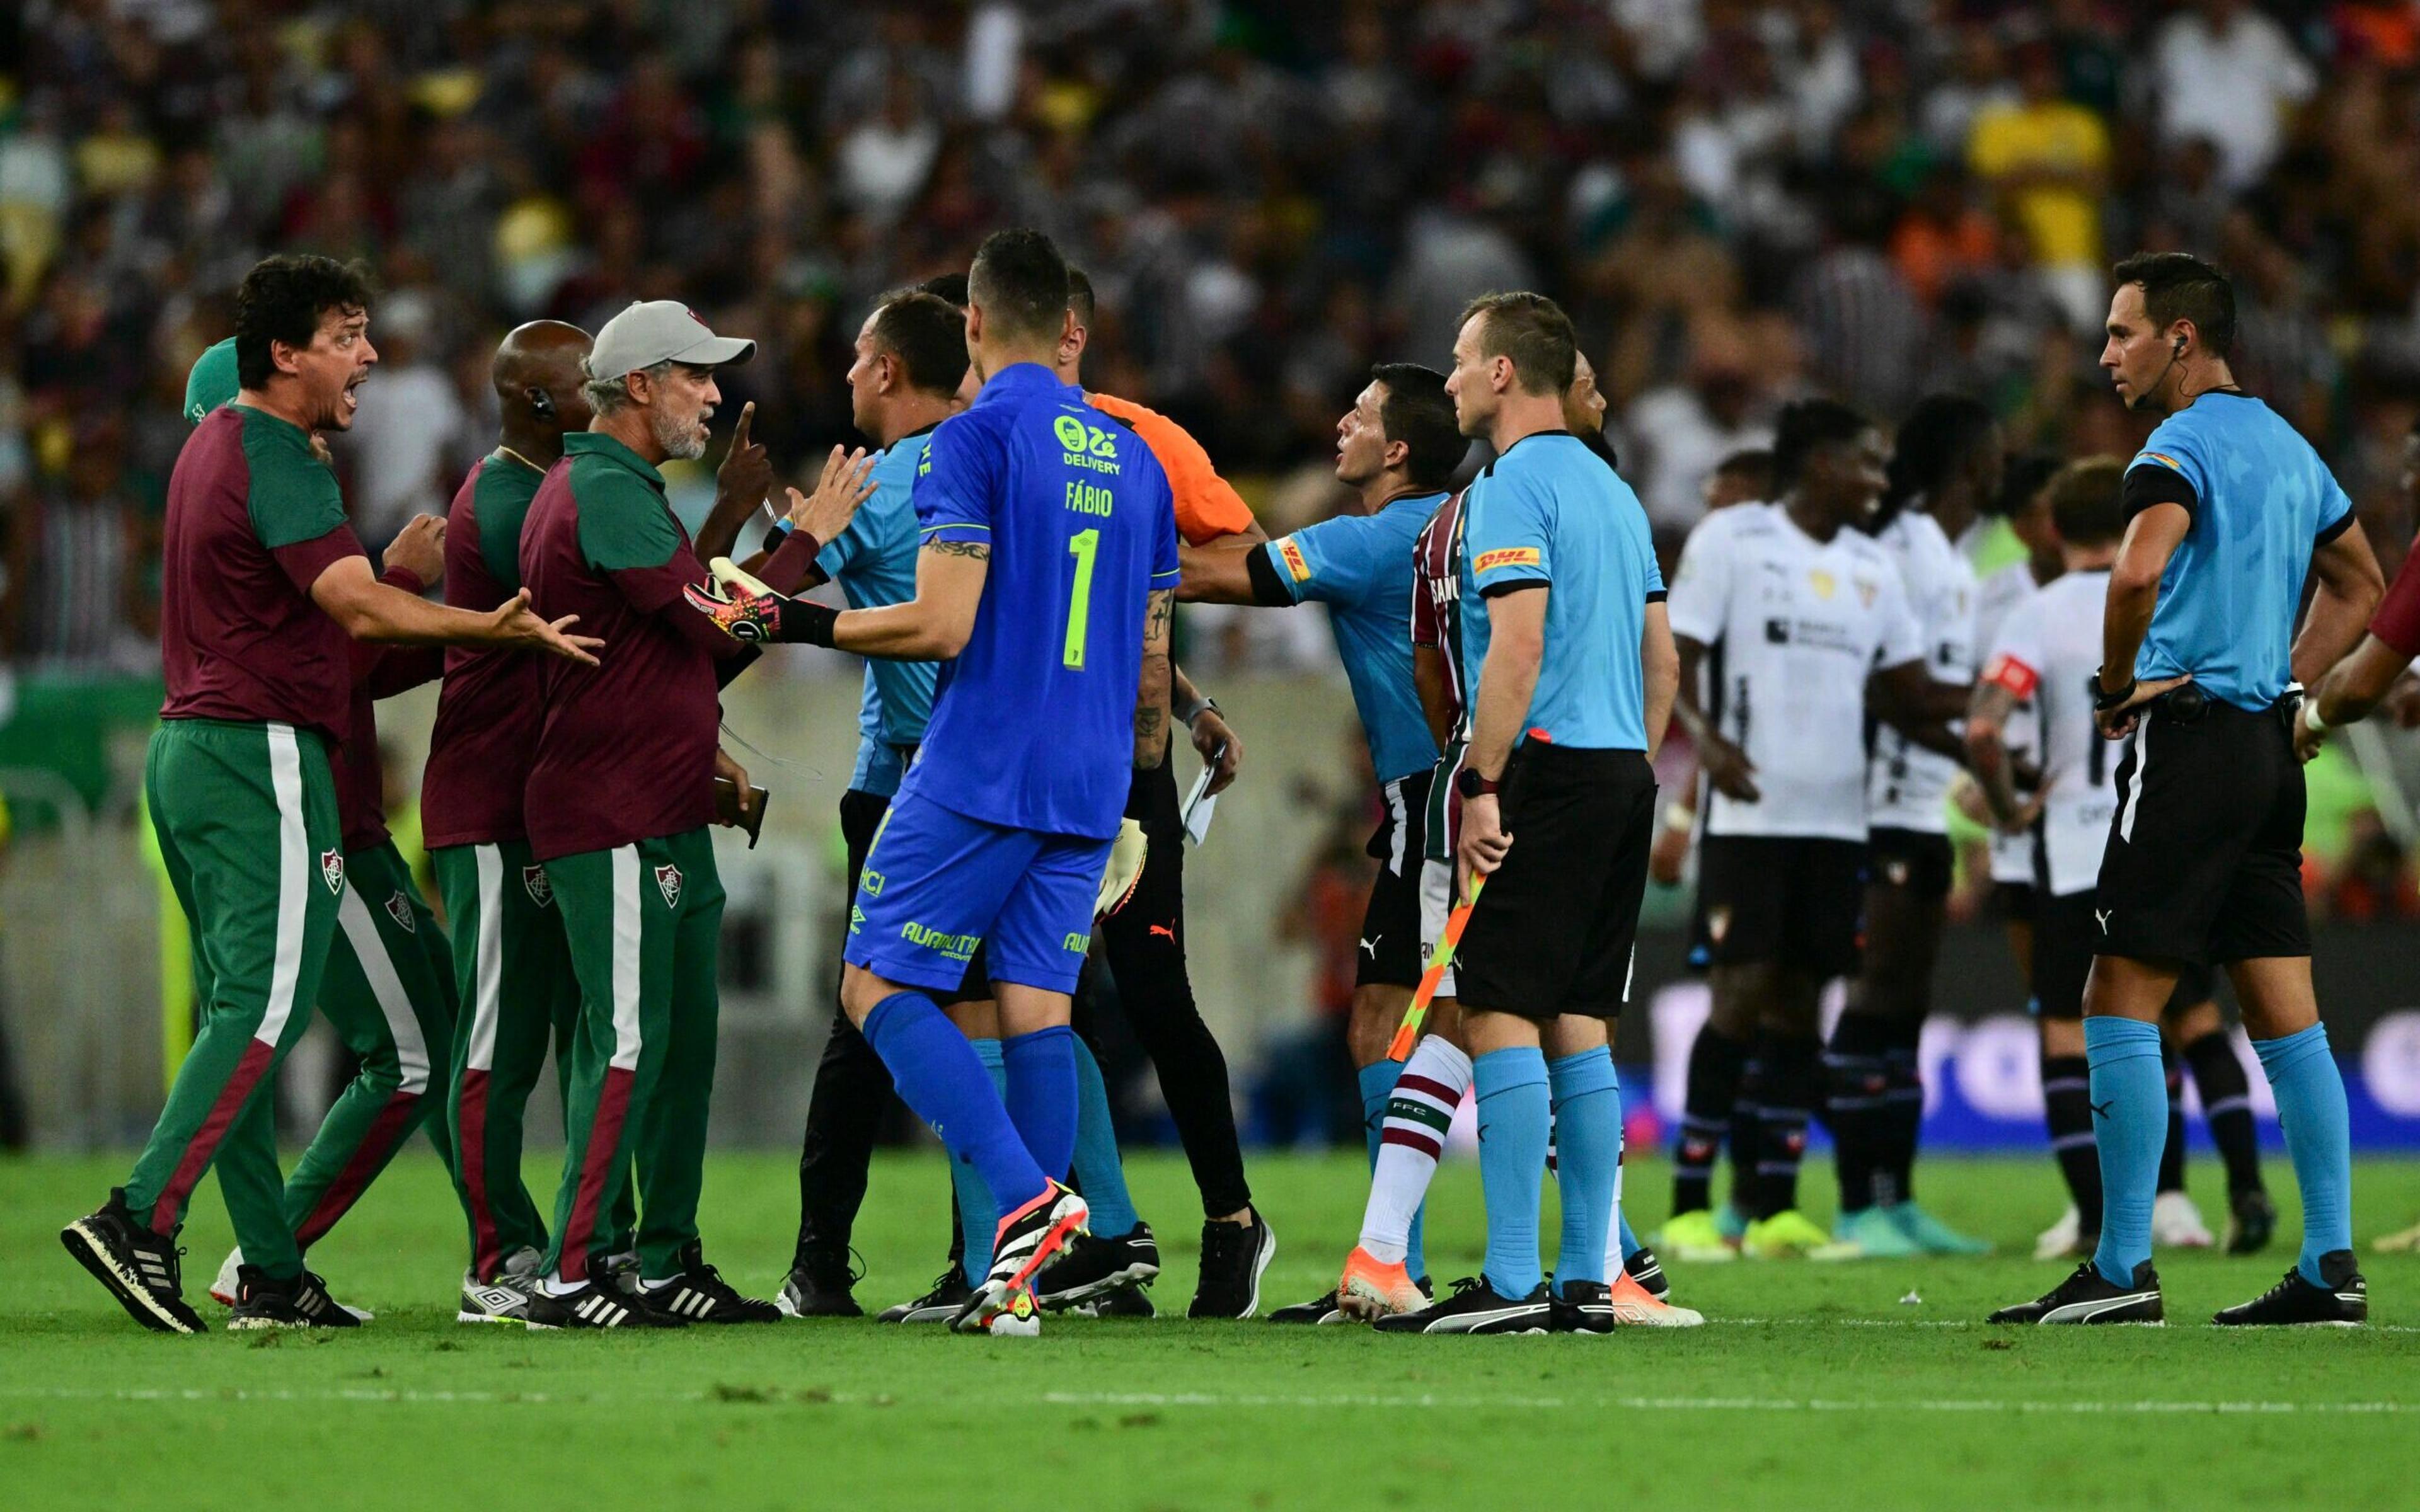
(2176, 1223)
(2061, 1240)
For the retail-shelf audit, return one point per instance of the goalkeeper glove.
(1125, 872)
(750, 611)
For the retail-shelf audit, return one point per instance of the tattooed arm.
(933, 626)
(1151, 697)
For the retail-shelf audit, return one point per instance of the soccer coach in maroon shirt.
(619, 797)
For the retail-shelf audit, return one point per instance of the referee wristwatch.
(1471, 785)
(2105, 701)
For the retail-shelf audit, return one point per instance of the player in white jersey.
(2046, 649)
(1782, 612)
(1946, 466)
(2027, 492)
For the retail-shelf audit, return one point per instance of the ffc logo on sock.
(332, 869)
(540, 886)
(668, 882)
(400, 908)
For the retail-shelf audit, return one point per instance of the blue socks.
(944, 1082)
(1098, 1175)
(1377, 1083)
(1513, 1127)
(2311, 1110)
(1588, 1151)
(2129, 1107)
(978, 1215)
(1042, 1095)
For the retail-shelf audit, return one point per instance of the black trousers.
(1144, 945)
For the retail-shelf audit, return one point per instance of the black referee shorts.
(2065, 937)
(1795, 900)
(1389, 955)
(2205, 857)
(1556, 926)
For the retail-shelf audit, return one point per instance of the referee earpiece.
(2178, 351)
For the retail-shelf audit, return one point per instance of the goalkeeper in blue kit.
(1048, 570)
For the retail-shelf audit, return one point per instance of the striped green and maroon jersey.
(254, 518)
(1437, 599)
(493, 702)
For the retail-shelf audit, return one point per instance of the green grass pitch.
(1815, 1387)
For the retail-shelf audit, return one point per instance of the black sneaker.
(819, 1286)
(949, 1295)
(2251, 1219)
(1648, 1272)
(2086, 1297)
(1475, 1309)
(1126, 1301)
(700, 1295)
(1233, 1257)
(1318, 1310)
(2344, 1302)
(1094, 1267)
(620, 1271)
(599, 1304)
(141, 1268)
(298, 1301)
(1028, 1240)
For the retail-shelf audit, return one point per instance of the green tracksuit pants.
(512, 973)
(388, 992)
(643, 923)
(246, 817)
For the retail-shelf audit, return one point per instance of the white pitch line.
(1294, 1400)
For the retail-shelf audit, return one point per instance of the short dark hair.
(1533, 332)
(1752, 467)
(1934, 438)
(1021, 282)
(1079, 297)
(2178, 285)
(283, 298)
(2087, 500)
(926, 332)
(950, 286)
(1417, 412)
(2028, 474)
(1806, 424)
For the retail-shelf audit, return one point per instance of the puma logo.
(2100, 1110)
(1166, 931)
(1371, 945)
(2102, 914)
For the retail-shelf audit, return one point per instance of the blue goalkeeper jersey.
(1033, 726)
(1360, 566)
(874, 560)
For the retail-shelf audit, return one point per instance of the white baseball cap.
(661, 330)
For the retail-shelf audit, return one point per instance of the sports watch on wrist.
(1471, 785)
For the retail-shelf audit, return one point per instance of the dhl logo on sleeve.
(1509, 556)
(1295, 562)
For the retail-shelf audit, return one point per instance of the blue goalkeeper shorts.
(937, 885)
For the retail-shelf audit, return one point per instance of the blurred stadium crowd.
(1739, 201)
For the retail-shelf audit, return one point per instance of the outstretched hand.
(847, 480)
(514, 623)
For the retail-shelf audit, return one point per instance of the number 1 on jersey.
(1081, 546)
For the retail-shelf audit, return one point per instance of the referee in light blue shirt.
(1570, 661)
(2229, 510)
